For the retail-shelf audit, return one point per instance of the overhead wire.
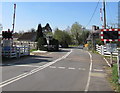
(93, 14)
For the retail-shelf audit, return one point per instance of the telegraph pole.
(104, 10)
(14, 17)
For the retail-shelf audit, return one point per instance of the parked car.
(81, 46)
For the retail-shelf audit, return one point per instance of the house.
(27, 39)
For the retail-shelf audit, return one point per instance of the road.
(67, 70)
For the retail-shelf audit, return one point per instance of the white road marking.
(99, 70)
(61, 67)
(107, 62)
(81, 68)
(71, 68)
(9, 81)
(52, 67)
(27, 66)
(88, 82)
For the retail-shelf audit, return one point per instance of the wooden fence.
(16, 52)
(101, 49)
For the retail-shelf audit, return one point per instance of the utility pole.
(104, 10)
(83, 35)
(14, 17)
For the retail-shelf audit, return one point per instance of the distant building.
(27, 39)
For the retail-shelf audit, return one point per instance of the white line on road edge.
(88, 82)
(107, 62)
(9, 81)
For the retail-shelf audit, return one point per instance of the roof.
(16, 35)
(28, 36)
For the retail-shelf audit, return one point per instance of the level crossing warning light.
(7, 34)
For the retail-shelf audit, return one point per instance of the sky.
(57, 14)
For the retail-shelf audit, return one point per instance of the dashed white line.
(61, 67)
(71, 68)
(81, 68)
(52, 66)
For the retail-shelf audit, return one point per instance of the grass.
(33, 50)
(114, 78)
(93, 51)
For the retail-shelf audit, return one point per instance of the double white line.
(9, 81)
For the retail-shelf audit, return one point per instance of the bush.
(41, 42)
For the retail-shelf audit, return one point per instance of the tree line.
(74, 35)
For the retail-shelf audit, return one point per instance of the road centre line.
(90, 70)
(81, 68)
(71, 68)
(9, 81)
(52, 66)
(61, 67)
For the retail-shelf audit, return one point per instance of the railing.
(17, 52)
(32, 45)
(101, 49)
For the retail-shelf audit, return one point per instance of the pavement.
(67, 70)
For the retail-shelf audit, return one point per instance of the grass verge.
(33, 50)
(112, 76)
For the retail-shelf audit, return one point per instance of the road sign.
(110, 34)
(111, 47)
